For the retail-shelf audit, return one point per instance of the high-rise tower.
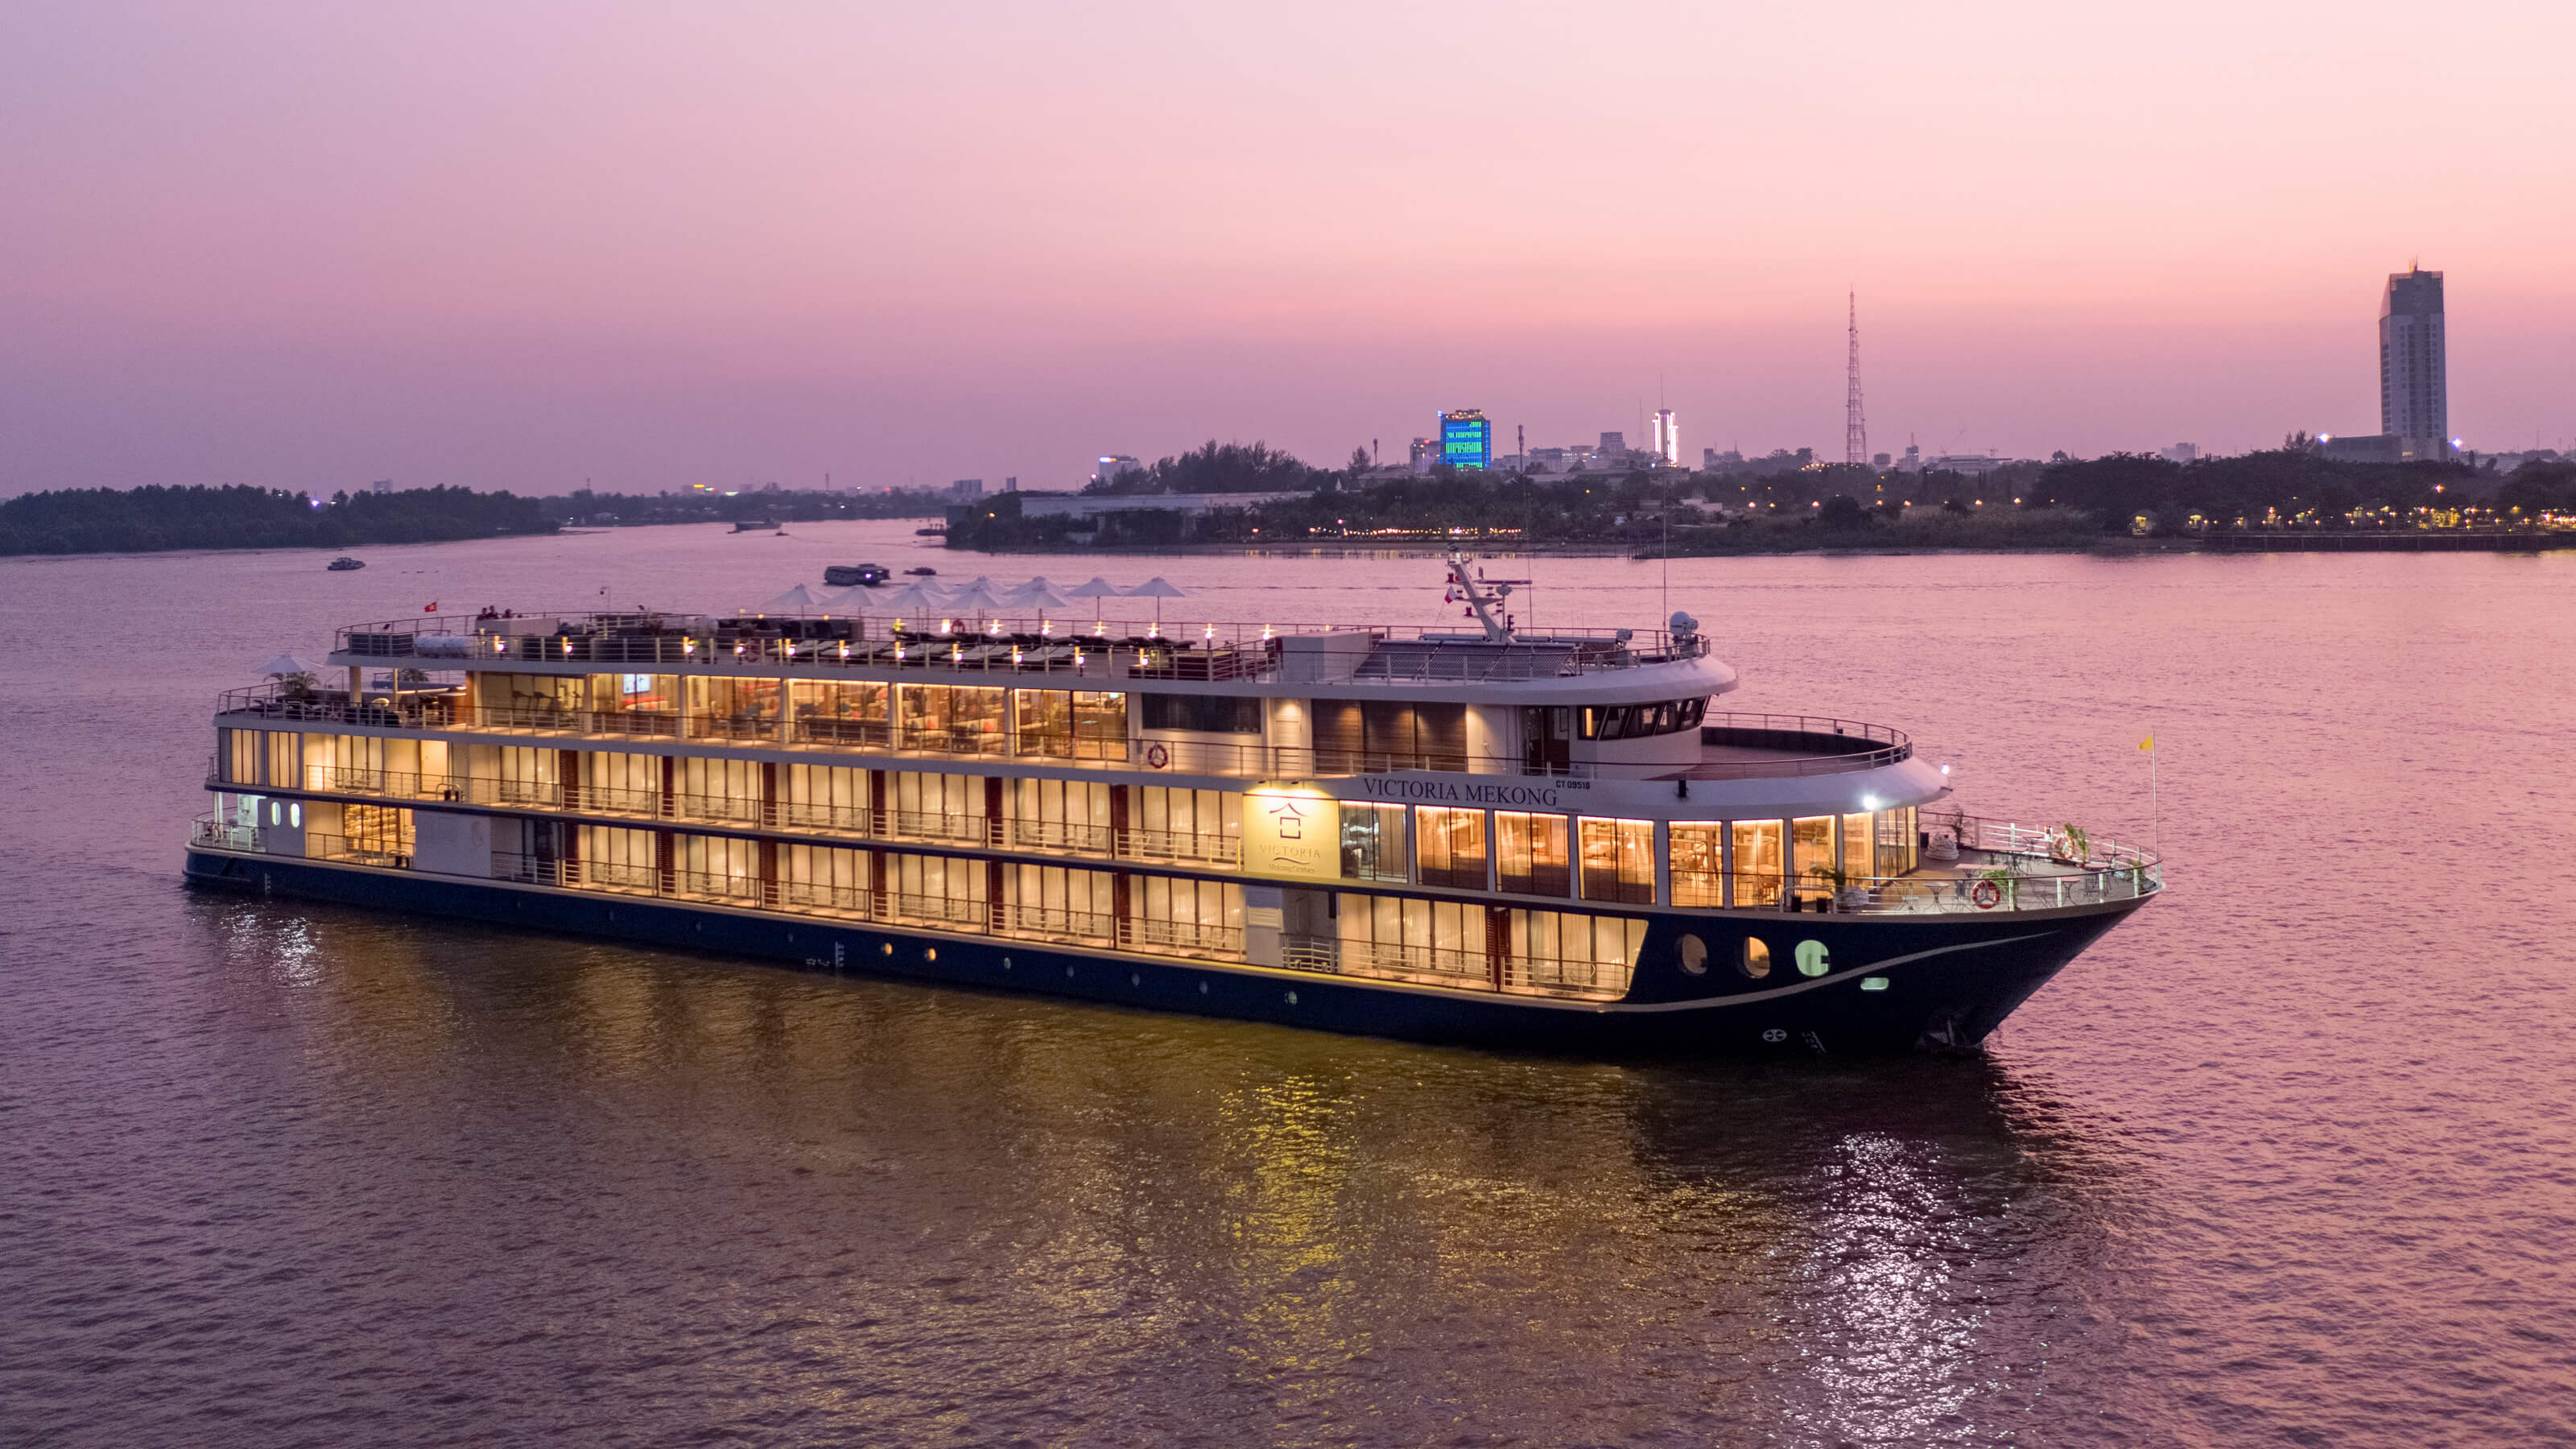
(2414, 397)
(1855, 425)
(1668, 439)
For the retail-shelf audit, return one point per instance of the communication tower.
(1855, 426)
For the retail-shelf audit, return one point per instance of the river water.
(2285, 1159)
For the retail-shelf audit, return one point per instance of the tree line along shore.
(1792, 506)
(1777, 505)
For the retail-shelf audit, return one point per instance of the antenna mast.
(1855, 426)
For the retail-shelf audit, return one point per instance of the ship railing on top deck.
(1093, 649)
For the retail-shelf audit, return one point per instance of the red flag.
(433, 607)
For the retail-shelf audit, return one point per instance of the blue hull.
(1949, 980)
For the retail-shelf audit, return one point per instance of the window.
(1372, 841)
(1698, 864)
(938, 890)
(1692, 954)
(1566, 949)
(1450, 846)
(950, 718)
(1389, 933)
(1071, 724)
(1641, 721)
(1187, 915)
(1379, 735)
(720, 789)
(938, 807)
(1208, 713)
(825, 797)
(1755, 962)
(1530, 854)
(1811, 849)
(1175, 824)
(1060, 815)
(377, 834)
(819, 877)
(1860, 849)
(834, 713)
(1619, 861)
(1758, 869)
(1060, 902)
(1813, 959)
(1898, 841)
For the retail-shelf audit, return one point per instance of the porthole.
(1693, 953)
(1135, 978)
(1755, 963)
(930, 954)
(1292, 998)
(1068, 973)
(1812, 958)
(1006, 963)
(1873, 983)
(887, 948)
(1202, 988)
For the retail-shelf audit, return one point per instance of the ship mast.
(1486, 605)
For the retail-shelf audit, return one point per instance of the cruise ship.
(1476, 833)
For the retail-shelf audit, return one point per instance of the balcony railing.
(989, 644)
(1436, 966)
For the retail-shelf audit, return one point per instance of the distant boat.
(922, 573)
(756, 525)
(934, 531)
(344, 563)
(841, 576)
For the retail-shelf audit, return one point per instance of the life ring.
(1157, 755)
(1986, 894)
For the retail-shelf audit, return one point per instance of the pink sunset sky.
(524, 245)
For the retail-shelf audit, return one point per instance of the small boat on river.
(343, 564)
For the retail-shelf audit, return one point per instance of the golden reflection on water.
(1340, 1231)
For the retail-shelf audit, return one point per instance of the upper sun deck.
(1033, 649)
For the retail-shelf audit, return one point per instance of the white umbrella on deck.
(798, 600)
(1158, 589)
(1098, 588)
(1038, 594)
(917, 597)
(975, 602)
(284, 664)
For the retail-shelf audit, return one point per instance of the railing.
(1454, 968)
(1180, 845)
(1808, 745)
(1060, 924)
(1061, 835)
(211, 832)
(1187, 936)
(319, 845)
(988, 643)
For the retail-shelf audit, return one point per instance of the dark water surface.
(2287, 1159)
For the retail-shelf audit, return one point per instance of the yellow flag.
(2148, 743)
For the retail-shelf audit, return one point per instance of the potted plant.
(1848, 892)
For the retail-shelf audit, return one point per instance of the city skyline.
(527, 248)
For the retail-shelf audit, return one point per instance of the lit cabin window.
(295, 815)
(1813, 958)
(1756, 960)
